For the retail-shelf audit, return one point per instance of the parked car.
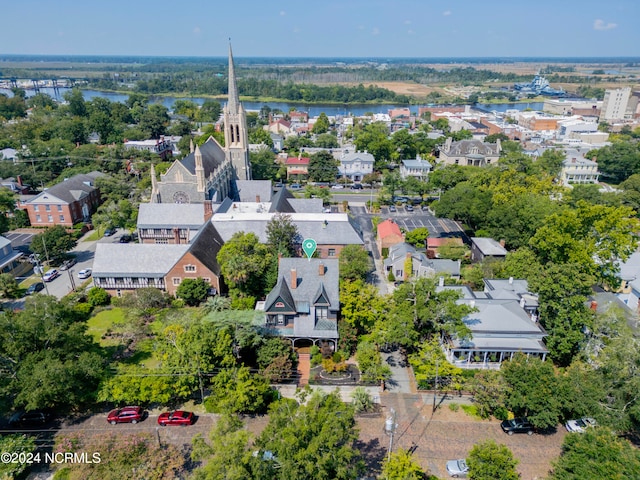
(179, 417)
(295, 186)
(517, 425)
(34, 418)
(580, 425)
(408, 208)
(126, 238)
(51, 275)
(84, 273)
(392, 208)
(356, 186)
(35, 288)
(67, 264)
(457, 468)
(337, 187)
(425, 208)
(109, 231)
(125, 415)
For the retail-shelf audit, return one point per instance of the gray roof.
(505, 289)
(357, 156)
(500, 317)
(212, 157)
(205, 247)
(309, 281)
(337, 232)
(135, 260)
(398, 253)
(464, 147)
(502, 344)
(249, 190)
(488, 246)
(72, 189)
(306, 205)
(630, 270)
(417, 163)
(167, 215)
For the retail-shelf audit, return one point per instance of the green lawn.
(103, 321)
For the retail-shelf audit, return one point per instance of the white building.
(578, 170)
(615, 104)
(355, 165)
(418, 168)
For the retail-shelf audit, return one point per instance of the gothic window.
(180, 197)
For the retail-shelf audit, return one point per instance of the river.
(313, 110)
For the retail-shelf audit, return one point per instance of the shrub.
(98, 296)
(177, 303)
(454, 407)
(83, 309)
(362, 401)
(391, 277)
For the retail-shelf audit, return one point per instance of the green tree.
(76, 103)
(401, 466)
(20, 444)
(313, 441)
(193, 291)
(237, 390)
(98, 296)
(323, 167)
(263, 165)
(53, 244)
(597, 453)
(353, 295)
(244, 261)
(355, 263)
(154, 120)
(533, 388)
(8, 285)
(210, 111)
(405, 144)
(491, 461)
(327, 140)
(282, 235)
(417, 237)
(321, 124)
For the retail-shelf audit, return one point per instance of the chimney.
(257, 198)
(441, 282)
(502, 242)
(294, 278)
(321, 269)
(19, 180)
(573, 160)
(594, 305)
(510, 280)
(176, 236)
(208, 210)
(279, 258)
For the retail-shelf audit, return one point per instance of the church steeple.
(233, 102)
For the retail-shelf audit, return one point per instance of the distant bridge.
(37, 84)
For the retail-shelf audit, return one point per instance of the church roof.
(250, 190)
(205, 247)
(168, 215)
(212, 157)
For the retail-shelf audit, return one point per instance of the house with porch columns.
(504, 323)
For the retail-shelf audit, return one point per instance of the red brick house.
(66, 203)
(389, 234)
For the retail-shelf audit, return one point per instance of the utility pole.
(46, 253)
(390, 427)
(435, 387)
(71, 280)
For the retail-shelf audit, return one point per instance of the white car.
(337, 187)
(84, 274)
(580, 425)
(50, 275)
(457, 468)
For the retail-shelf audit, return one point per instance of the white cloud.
(602, 25)
(446, 13)
(196, 30)
(282, 13)
(375, 31)
(410, 32)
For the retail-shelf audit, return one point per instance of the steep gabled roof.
(280, 294)
(206, 245)
(212, 157)
(321, 297)
(71, 190)
(388, 227)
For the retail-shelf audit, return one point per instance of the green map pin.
(309, 247)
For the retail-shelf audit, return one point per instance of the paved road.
(400, 377)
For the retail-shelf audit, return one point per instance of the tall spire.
(233, 102)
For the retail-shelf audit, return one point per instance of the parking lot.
(410, 220)
(20, 240)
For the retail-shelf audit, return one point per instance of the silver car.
(580, 425)
(458, 468)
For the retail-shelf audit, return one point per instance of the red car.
(125, 415)
(178, 417)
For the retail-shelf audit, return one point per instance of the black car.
(125, 238)
(35, 288)
(517, 425)
(34, 418)
(356, 186)
(109, 231)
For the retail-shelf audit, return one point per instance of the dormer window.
(190, 268)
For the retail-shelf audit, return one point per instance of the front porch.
(489, 352)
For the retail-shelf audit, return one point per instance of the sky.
(323, 28)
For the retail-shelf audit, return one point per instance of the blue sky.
(323, 28)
